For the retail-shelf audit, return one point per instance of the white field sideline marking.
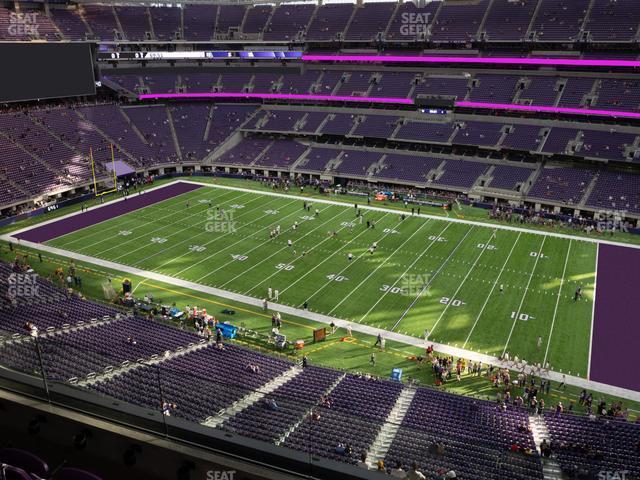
(286, 247)
(484, 305)
(325, 319)
(593, 313)
(378, 267)
(446, 307)
(524, 296)
(139, 224)
(330, 256)
(431, 279)
(405, 272)
(295, 259)
(555, 310)
(163, 227)
(194, 237)
(237, 242)
(494, 226)
(351, 263)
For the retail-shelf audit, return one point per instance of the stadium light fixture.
(278, 96)
(568, 62)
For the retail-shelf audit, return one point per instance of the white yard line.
(325, 319)
(139, 223)
(235, 243)
(435, 239)
(312, 200)
(484, 305)
(277, 252)
(192, 238)
(524, 296)
(327, 258)
(161, 228)
(376, 269)
(494, 226)
(455, 294)
(295, 259)
(431, 279)
(555, 310)
(593, 313)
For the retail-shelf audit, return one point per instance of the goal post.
(95, 179)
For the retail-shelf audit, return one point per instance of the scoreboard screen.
(33, 71)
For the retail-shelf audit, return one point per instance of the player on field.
(289, 243)
(539, 344)
(371, 250)
(350, 256)
(578, 295)
(269, 293)
(374, 245)
(501, 288)
(295, 226)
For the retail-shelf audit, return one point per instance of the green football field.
(486, 290)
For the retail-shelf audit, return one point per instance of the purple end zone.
(97, 215)
(616, 325)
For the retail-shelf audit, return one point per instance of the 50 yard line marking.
(426, 285)
(330, 256)
(484, 305)
(341, 212)
(524, 296)
(555, 310)
(299, 257)
(235, 243)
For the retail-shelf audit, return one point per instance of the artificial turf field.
(430, 274)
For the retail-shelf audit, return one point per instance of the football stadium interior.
(320, 240)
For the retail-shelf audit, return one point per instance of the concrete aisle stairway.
(380, 446)
(252, 398)
(550, 467)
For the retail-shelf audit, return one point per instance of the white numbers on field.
(522, 316)
(124, 233)
(197, 248)
(271, 212)
(487, 246)
(390, 289)
(390, 230)
(284, 266)
(435, 238)
(236, 206)
(337, 278)
(307, 217)
(454, 302)
(158, 240)
(240, 258)
(347, 224)
(535, 254)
